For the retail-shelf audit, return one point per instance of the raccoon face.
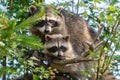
(50, 23)
(56, 45)
(47, 26)
(57, 50)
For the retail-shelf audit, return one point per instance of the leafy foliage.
(15, 41)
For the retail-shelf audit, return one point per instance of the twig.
(72, 5)
(99, 31)
(78, 6)
(98, 70)
(98, 44)
(109, 61)
(4, 65)
(92, 48)
(86, 53)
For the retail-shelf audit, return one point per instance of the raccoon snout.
(47, 31)
(59, 55)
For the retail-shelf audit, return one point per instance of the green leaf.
(30, 62)
(110, 18)
(42, 11)
(117, 57)
(13, 45)
(112, 8)
(35, 77)
(34, 58)
(85, 14)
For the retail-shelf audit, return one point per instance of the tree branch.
(45, 57)
(75, 60)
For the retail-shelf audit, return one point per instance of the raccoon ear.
(33, 9)
(59, 8)
(48, 38)
(66, 38)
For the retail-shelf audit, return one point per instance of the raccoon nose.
(59, 55)
(46, 31)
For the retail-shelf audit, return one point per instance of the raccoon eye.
(54, 23)
(40, 23)
(63, 48)
(53, 49)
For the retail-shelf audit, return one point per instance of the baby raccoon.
(59, 47)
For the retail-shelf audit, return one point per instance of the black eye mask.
(63, 48)
(40, 23)
(53, 23)
(45, 22)
(55, 49)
